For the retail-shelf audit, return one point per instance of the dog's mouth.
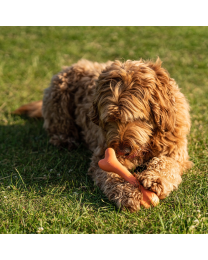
(130, 154)
(123, 152)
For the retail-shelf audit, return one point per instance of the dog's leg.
(58, 111)
(163, 175)
(122, 193)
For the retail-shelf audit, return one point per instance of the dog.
(133, 107)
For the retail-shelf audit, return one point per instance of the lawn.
(46, 190)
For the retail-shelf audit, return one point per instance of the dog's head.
(133, 102)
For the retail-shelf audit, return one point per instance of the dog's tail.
(33, 109)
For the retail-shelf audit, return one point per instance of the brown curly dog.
(133, 107)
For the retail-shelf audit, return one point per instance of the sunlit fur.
(133, 107)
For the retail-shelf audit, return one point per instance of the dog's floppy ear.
(93, 113)
(162, 101)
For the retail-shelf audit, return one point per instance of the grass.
(46, 190)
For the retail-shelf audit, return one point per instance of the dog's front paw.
(160, 185)
(161, 176)
(154, 184)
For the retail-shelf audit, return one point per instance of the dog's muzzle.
(123, 151)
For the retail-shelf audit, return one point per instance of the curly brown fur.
(133, 107)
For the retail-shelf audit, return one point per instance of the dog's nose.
(125, 151)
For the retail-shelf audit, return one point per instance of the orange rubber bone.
(111, 164)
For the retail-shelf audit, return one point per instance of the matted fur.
(133, 107)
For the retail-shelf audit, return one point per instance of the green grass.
(43, 187)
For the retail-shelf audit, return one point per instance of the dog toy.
(111, 164)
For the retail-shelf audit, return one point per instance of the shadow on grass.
(29, 162)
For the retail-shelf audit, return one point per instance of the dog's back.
(66, 103)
